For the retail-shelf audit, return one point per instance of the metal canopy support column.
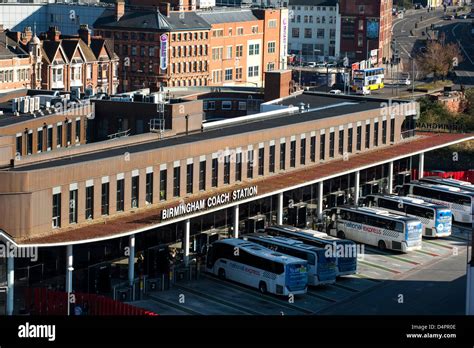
(236, 221)
(131, 259)
(280, 209)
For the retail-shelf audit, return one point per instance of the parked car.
(311, 64)
(448, 17)
(335, 91)
(461, 16)
(321, 65)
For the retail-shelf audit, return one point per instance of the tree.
(439, 58)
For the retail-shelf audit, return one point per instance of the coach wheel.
(221, 273)
(341, 235)
(382, 245)
(262, 287)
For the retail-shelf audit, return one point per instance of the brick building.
(80, 63)
(17, 66)
(197, 48)
(365, 27)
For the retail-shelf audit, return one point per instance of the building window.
(308, 33)
(120, 194)
(303, 152)
(384, 131)
(228, 74)
(295, 32)
(331, 144)
(361, 9)
(49, 138)
(359, 138)
(69, 133)
(39, 142)
(214, 170)
(360, 40)
(254, 49)
(271, 167)
(217, 53)
(239, 49)
(270, 66)
(376, 134)
(250, 164)
(78, 131)
(57, 210)
(271, 47)
(349, 139)
(272, 23)
(392, 130)
(176, 181)
(189, 178)
(261, 160)
(229, 52)
(217, 33)
(361, 24)
(105, 199)
(320, 33)
(19, 145)
(135, 191)
(59, 139)
(29, 143)
(238, 73)
(227, 169)
(90, 202)
(149, 188)
(282, 156)
(322, 147)
(254, 29)
(341, 142)
(226, 105)
(312, 149)
(293, 153)
(202, 175)
(240, 31)
(73, 206)
(348, 27)
(253, 71)
(163, 183)
(238, 166)
(367, 136)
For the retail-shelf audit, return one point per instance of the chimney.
(85, 34)
(26, 35)
(165, 8)
(119, 9)
(53, 34)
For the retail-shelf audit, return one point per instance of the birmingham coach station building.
(90, 208)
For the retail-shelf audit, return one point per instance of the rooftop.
(321, 107)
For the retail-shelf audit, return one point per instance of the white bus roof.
(459, 183)
(256, 249)
(283, 241)
(444, 188)
(379, 212)
(406, 199)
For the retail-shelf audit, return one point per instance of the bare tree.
(439, 58)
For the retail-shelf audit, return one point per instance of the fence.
(466, 175)
(42, 301)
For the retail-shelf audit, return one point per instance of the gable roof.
(50, 48)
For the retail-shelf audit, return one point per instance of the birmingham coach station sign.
(208, 203)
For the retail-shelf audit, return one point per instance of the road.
(431, 281)
(409, 39)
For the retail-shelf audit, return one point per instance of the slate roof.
(218, 15)
(136, 20)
